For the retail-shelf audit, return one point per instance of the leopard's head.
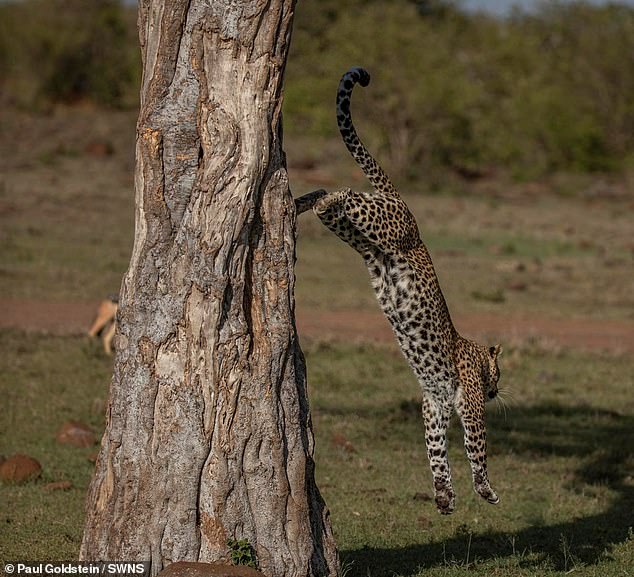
(490, 371)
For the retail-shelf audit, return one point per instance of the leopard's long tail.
(374, 173)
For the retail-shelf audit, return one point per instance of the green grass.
(560, 458)
(44, 382)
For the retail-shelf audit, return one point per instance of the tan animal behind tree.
(105, 323)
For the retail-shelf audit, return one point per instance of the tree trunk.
(208, 432)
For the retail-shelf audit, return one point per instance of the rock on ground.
(20, 469)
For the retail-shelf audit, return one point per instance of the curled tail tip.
(357, 74)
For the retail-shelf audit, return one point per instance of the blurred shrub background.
(453, 93)
(65, 51)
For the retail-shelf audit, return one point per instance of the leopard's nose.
(492, 394)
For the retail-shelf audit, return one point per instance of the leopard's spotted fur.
(453, 372)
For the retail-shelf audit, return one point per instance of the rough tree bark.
(208, 432)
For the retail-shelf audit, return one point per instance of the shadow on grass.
(602, 440)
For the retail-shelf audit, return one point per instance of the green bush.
(68, 50)
(528, 96)
(452, 92)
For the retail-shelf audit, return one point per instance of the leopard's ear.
(495, 351)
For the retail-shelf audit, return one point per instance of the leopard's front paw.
(489, 494)
(324, 203)
(485, 491)
(307, 201)
(445, 499)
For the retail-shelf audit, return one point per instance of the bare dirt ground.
(72, 318)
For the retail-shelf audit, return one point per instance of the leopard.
(454, 373)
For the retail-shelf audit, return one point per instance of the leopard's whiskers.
(500, 405)
(504, 399)
(507, 395)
